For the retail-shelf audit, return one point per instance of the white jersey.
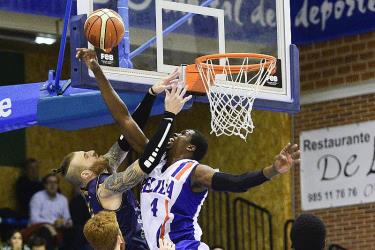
(170, 208)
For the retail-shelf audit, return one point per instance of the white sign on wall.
(338, 166)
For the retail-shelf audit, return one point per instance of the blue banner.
(318, 20)
(253, 21)
(18, 106)
(312, 20)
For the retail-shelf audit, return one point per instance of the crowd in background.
(44, 217)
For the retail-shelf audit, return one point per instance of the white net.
(231, 93)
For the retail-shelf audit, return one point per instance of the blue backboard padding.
(85, 110)
(23, 100)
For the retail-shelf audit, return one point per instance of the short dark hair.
(308, 233)
(45, 178)
(36, 241)
(200, 142)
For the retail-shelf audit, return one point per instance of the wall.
(339, 63)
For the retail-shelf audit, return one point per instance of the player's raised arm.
(205, 177)
(118, 109)
(119, 149)
(155, 149)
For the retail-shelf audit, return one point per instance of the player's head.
(188, 143)
(308, 233)
(103, 233)
(80, 167)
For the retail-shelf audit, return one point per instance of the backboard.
(165, 34)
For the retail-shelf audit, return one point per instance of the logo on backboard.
(275, 80)
(108, 59)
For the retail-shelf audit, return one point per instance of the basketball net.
(231, 91)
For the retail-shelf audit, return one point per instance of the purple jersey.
(128, 214)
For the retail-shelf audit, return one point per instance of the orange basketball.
(104, 29)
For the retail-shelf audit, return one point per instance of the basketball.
(104, 29)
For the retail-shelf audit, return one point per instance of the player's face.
(180, 140)
(86, 159)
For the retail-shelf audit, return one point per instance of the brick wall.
(349, 60)
(336, 63)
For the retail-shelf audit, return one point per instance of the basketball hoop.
(231, 82)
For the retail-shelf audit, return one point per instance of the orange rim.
(235, 68)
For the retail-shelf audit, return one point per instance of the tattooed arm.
(115, 157)
(123, 181)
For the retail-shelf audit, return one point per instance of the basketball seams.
(103, 31)
(114, 26)
(102, 34)
(92, 24)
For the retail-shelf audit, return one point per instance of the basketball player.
(177, 184)
(103, 233)
(86, 169)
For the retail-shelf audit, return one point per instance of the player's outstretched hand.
(166, 245)
(175, 100)
(166, 83)
(89, 57)
(288, 157)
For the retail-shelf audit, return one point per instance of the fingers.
(167, 93)
(172, 76)
(289, 149)
(284, 150)
(294, 148)
(296, 155)
(297, 163)
(174, 90)
(186, 99)
(183, 92)
(80, 52)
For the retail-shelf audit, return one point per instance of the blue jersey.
(128, 214)
(171, 208)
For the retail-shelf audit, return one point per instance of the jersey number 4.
(154, 207)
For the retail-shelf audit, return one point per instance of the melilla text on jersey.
(151, 185)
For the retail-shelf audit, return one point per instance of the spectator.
(49, 209)
(49, 206)
(308, 233)
(16, 242)
(27, 185)
(38, 243)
